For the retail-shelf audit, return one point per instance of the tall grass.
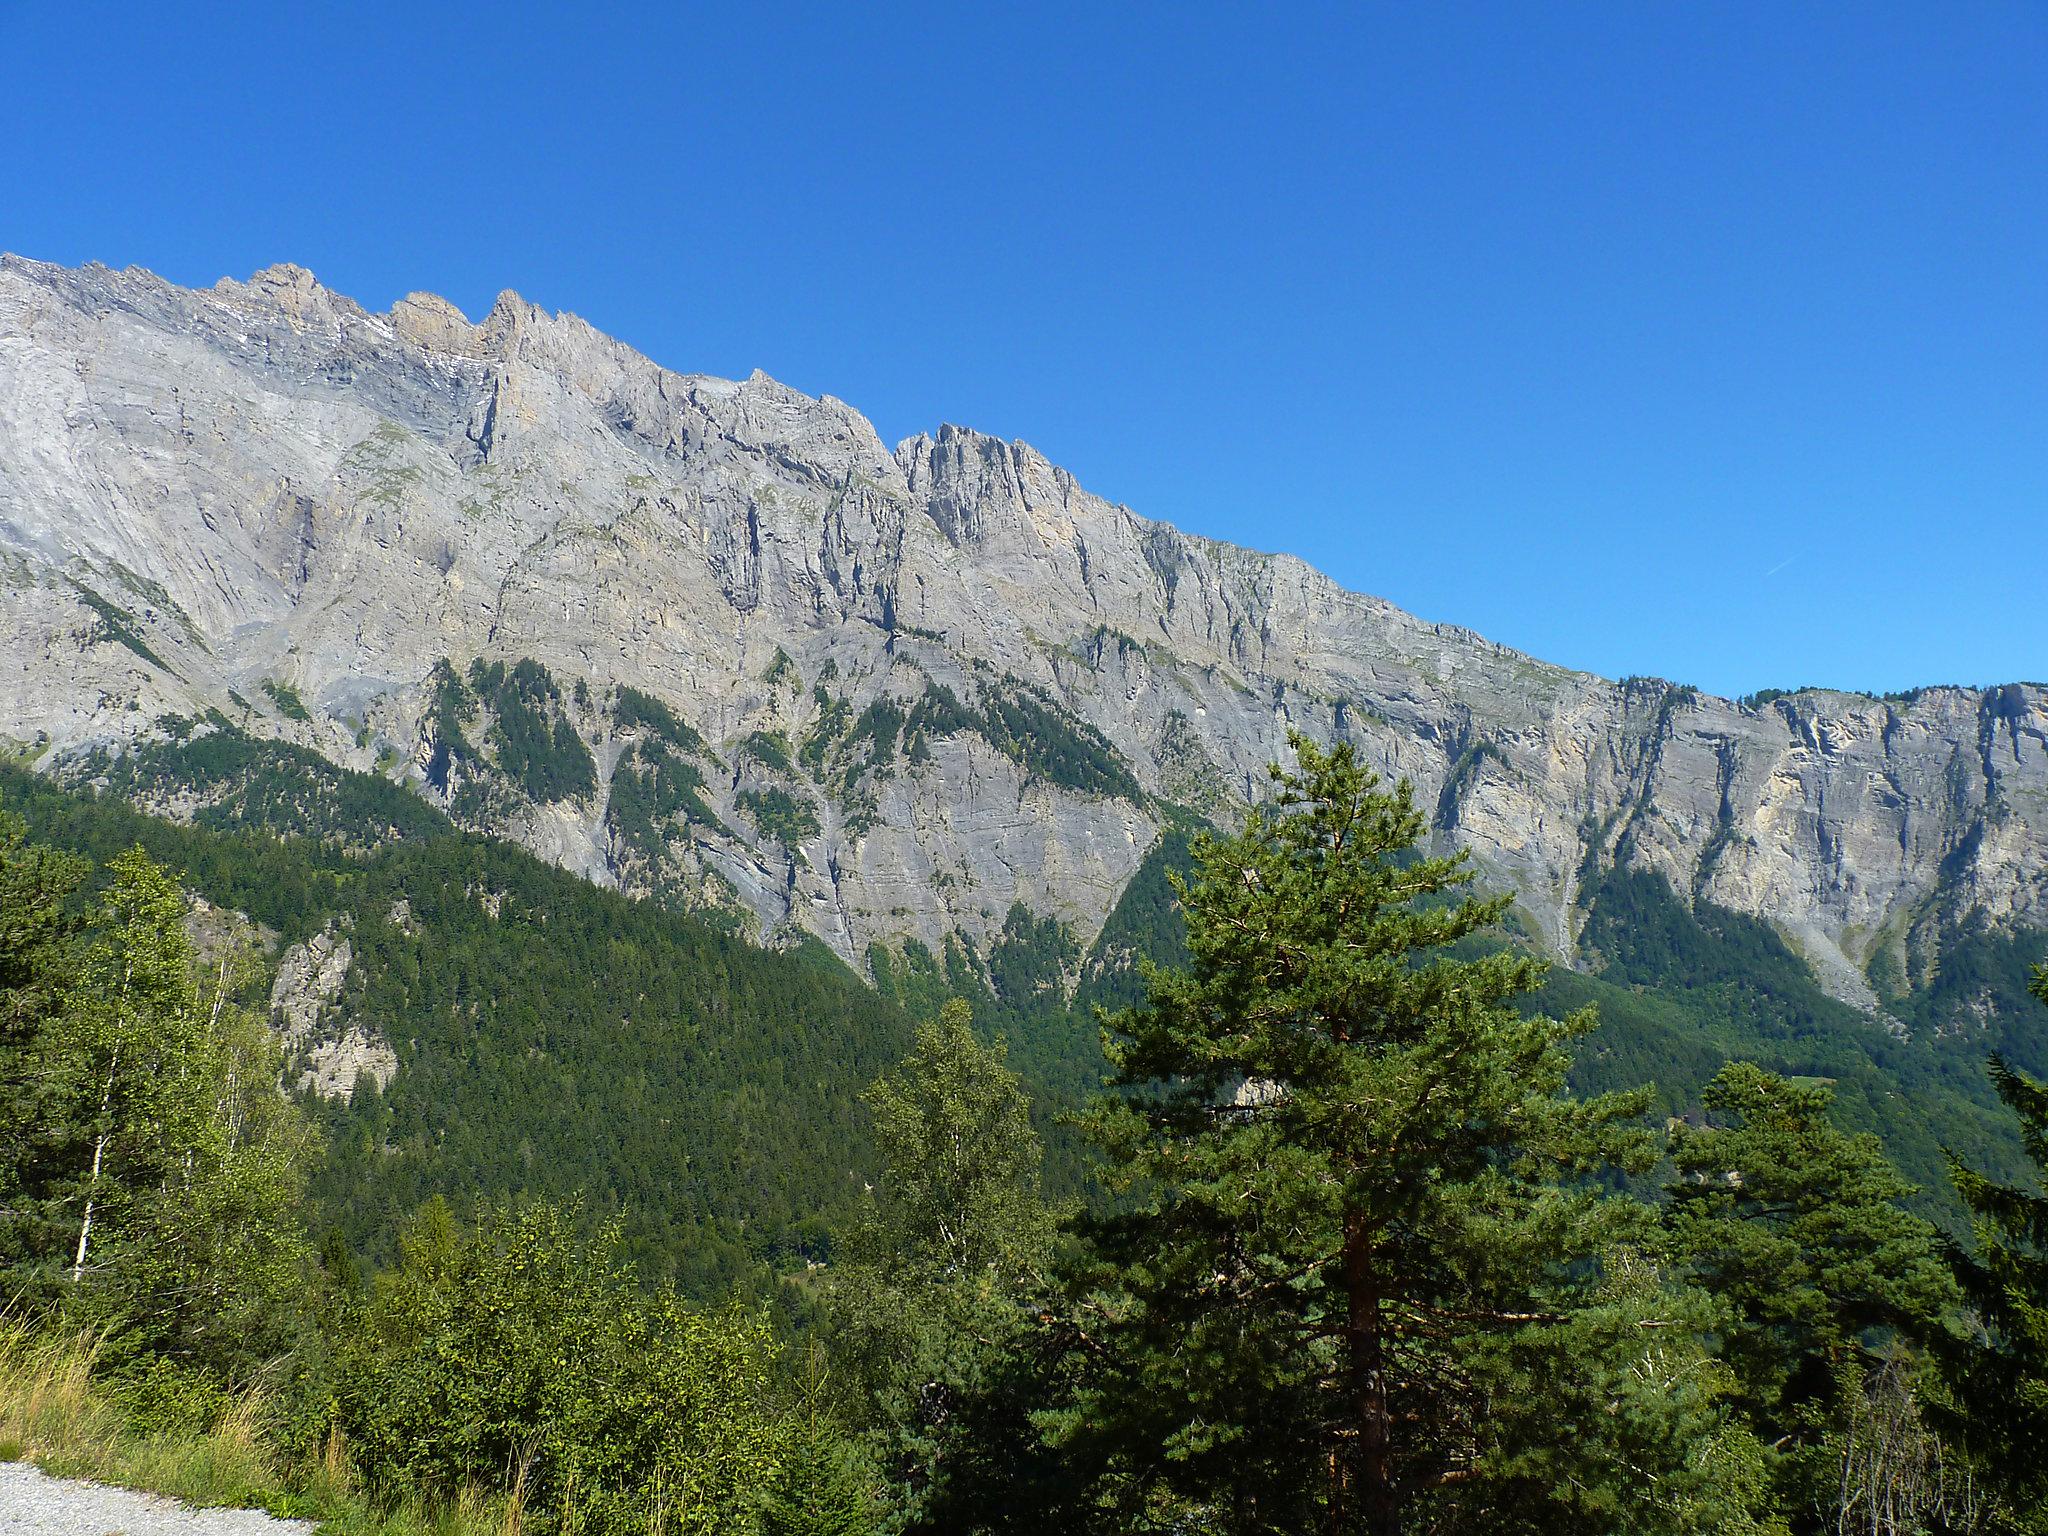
(61, 1412)
(58, 1413)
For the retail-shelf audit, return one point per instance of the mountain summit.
(717, 643)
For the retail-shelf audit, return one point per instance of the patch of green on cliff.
(534, 745)
(244, 784)
(771, 749)
(287, 700)
(655, 795)
(118, 625)
(779, 816)
(633, 710)
(1028, 727)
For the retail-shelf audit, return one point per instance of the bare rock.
(202, 489)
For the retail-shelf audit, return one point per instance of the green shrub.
(519, 1354)
(770, 748)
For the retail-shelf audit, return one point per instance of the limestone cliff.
(871, 694)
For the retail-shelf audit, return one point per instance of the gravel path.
(34, 1505)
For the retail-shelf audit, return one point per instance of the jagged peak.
(284, 274)
(292, 291)
(430, 321)
(431, 303)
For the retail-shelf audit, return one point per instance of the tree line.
(1363, 1260)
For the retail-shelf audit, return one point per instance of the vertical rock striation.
(906, 689)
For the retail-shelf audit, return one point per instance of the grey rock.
(204, 490)
(331, 1052)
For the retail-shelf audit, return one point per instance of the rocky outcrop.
(328, 1052)
(220, 500)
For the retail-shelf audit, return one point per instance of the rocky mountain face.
(716, 642)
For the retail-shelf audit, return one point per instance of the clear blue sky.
(1706, 341)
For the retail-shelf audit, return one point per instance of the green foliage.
(1030, 961)
(633, 710)
(1764, 696)
(930, 1298)
(1364, 1261)
(154, 1193)
(1342, 1156)
(1016, 991)
(1796, 1229)
(157, 1186)
(1026, 726)
(287, 699)
(1051, 743)
(118, 624)
(779, 815)
(1146, 926)
(535, 746)
(242, 782)
(520, 1353)
(770, 748)
(2000, 1380)
(938, 712)
(655, 795)
(1019, 721)
(825, 731)
(1980, 995)
(874, 735)
(576, 1042)
(1635, 1432)
(450, 710)
(959, 1197)
(168, 1203)
(1686, 989)
(841, 750)
(1635, 924)
(41, 931)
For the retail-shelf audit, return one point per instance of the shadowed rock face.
(204, 491)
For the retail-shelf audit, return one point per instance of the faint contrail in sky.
(1779, 566)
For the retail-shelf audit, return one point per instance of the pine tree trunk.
(1367, 1486)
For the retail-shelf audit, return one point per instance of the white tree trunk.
(99, 1149)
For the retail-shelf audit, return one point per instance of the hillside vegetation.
(553, 1039)
(1377, 1228)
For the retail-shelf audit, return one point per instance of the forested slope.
(553, 1038)
(558, 1040)
(1680, 992)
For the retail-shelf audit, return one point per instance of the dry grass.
(57, 1412)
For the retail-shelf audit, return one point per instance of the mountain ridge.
(207, 495)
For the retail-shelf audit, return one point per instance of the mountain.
(716, 643)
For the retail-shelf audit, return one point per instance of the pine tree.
(1797, 1229)
(39, 933)
(1354, 1192)
(2001, 1386)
